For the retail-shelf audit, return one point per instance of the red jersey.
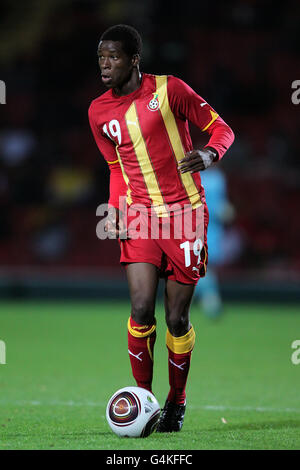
(144, 134)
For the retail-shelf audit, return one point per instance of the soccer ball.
(132, 412)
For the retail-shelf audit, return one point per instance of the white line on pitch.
(262, 409)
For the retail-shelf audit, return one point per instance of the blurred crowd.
(241, 56)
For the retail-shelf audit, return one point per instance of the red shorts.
(180, 255)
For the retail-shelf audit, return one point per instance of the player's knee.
(142, 312)
(178, 325)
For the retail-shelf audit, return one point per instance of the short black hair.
(127, 35)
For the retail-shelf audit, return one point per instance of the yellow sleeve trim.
(140, 334)
(110, 163)
(214, 117)
(181, 344)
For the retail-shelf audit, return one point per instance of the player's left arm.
(187, 104)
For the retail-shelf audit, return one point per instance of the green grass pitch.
(64, 361)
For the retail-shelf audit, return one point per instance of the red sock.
(179, 357)
(179, 366)
(141, 339)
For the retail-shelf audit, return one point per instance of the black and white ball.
(133, 412)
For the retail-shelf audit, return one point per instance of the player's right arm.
(117, 185)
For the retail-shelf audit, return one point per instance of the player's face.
(115, 65)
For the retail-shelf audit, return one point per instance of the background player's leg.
(180, 337)
(143, 281)
(208, 294)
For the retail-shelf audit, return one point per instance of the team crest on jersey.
(153, 104)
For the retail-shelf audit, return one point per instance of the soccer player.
(141, 128)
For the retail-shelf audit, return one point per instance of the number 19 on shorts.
(197, 248)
